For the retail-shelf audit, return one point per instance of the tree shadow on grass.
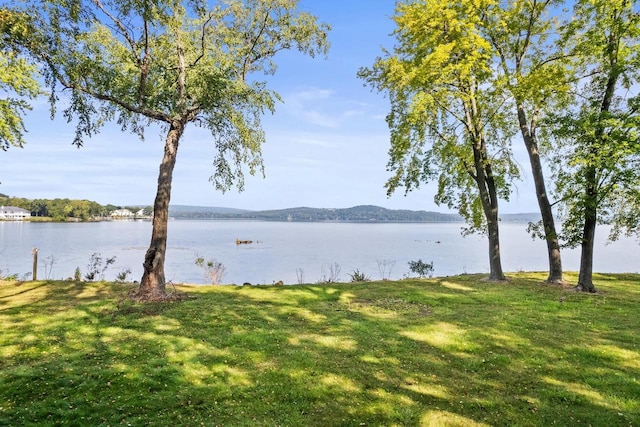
(449, 351)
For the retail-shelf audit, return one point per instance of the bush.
(357, 276)
(96, 268)
(122, 276)
(330, 273)
(422, 269)
(214, 270)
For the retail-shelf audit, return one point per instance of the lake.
(287, 251)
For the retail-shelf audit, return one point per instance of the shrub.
(122, 276)
(96, 267)
(385, 267)
(357, 276)
(330, 273)
(422, 269)
(214, 270)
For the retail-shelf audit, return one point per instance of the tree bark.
(153, 285)
(548, 222)
(585, 278)
(495, 263)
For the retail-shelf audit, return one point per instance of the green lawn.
(454, 351)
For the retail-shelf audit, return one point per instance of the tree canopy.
(596, 142)
(171, 63)
(447, 119)
(535, 71)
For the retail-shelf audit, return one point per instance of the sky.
(327, 144)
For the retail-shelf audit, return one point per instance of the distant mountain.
(366, 213)
(184, 209)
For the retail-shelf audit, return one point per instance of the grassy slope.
(449, 351)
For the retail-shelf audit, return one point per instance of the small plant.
(421, 268)
(96, 267)
(357, 276)
(77, 275)
(214, 270)
(122, 276)
(385, 267)
(48, 266)
(300, 275)
(330, 273)
(7, 276)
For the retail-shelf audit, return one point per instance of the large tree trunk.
(585, 279)
(548, 222)
(152, 285)
(495, 263)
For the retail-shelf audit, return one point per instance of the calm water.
(285, 251)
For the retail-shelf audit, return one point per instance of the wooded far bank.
(85, 210)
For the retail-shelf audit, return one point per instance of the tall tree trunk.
(495, 263)
(585, 279)
(489, 198)
(548, 222)
(486, 184)
(152, 285)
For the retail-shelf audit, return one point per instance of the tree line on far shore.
(65, 209)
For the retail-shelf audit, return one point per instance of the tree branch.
(156, 115)
(248, 60)
(202, 41)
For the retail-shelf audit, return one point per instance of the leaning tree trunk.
(152, 285)
(585, 279)
(548, 222)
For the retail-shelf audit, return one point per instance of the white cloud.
(322, 107)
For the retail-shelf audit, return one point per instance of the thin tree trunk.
(152, 285)
(548, 222)
(585, 278)
(486, 186)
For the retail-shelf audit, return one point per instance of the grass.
(456, 351)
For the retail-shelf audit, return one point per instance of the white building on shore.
(122, 213)
(12, 213)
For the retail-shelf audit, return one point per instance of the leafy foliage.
(173, 61)
(448, 120)
(596, 161)
(447, 123)
(18, 77)
(536, 71)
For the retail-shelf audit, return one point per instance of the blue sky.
(326, 144)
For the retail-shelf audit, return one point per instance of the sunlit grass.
(455, 351)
